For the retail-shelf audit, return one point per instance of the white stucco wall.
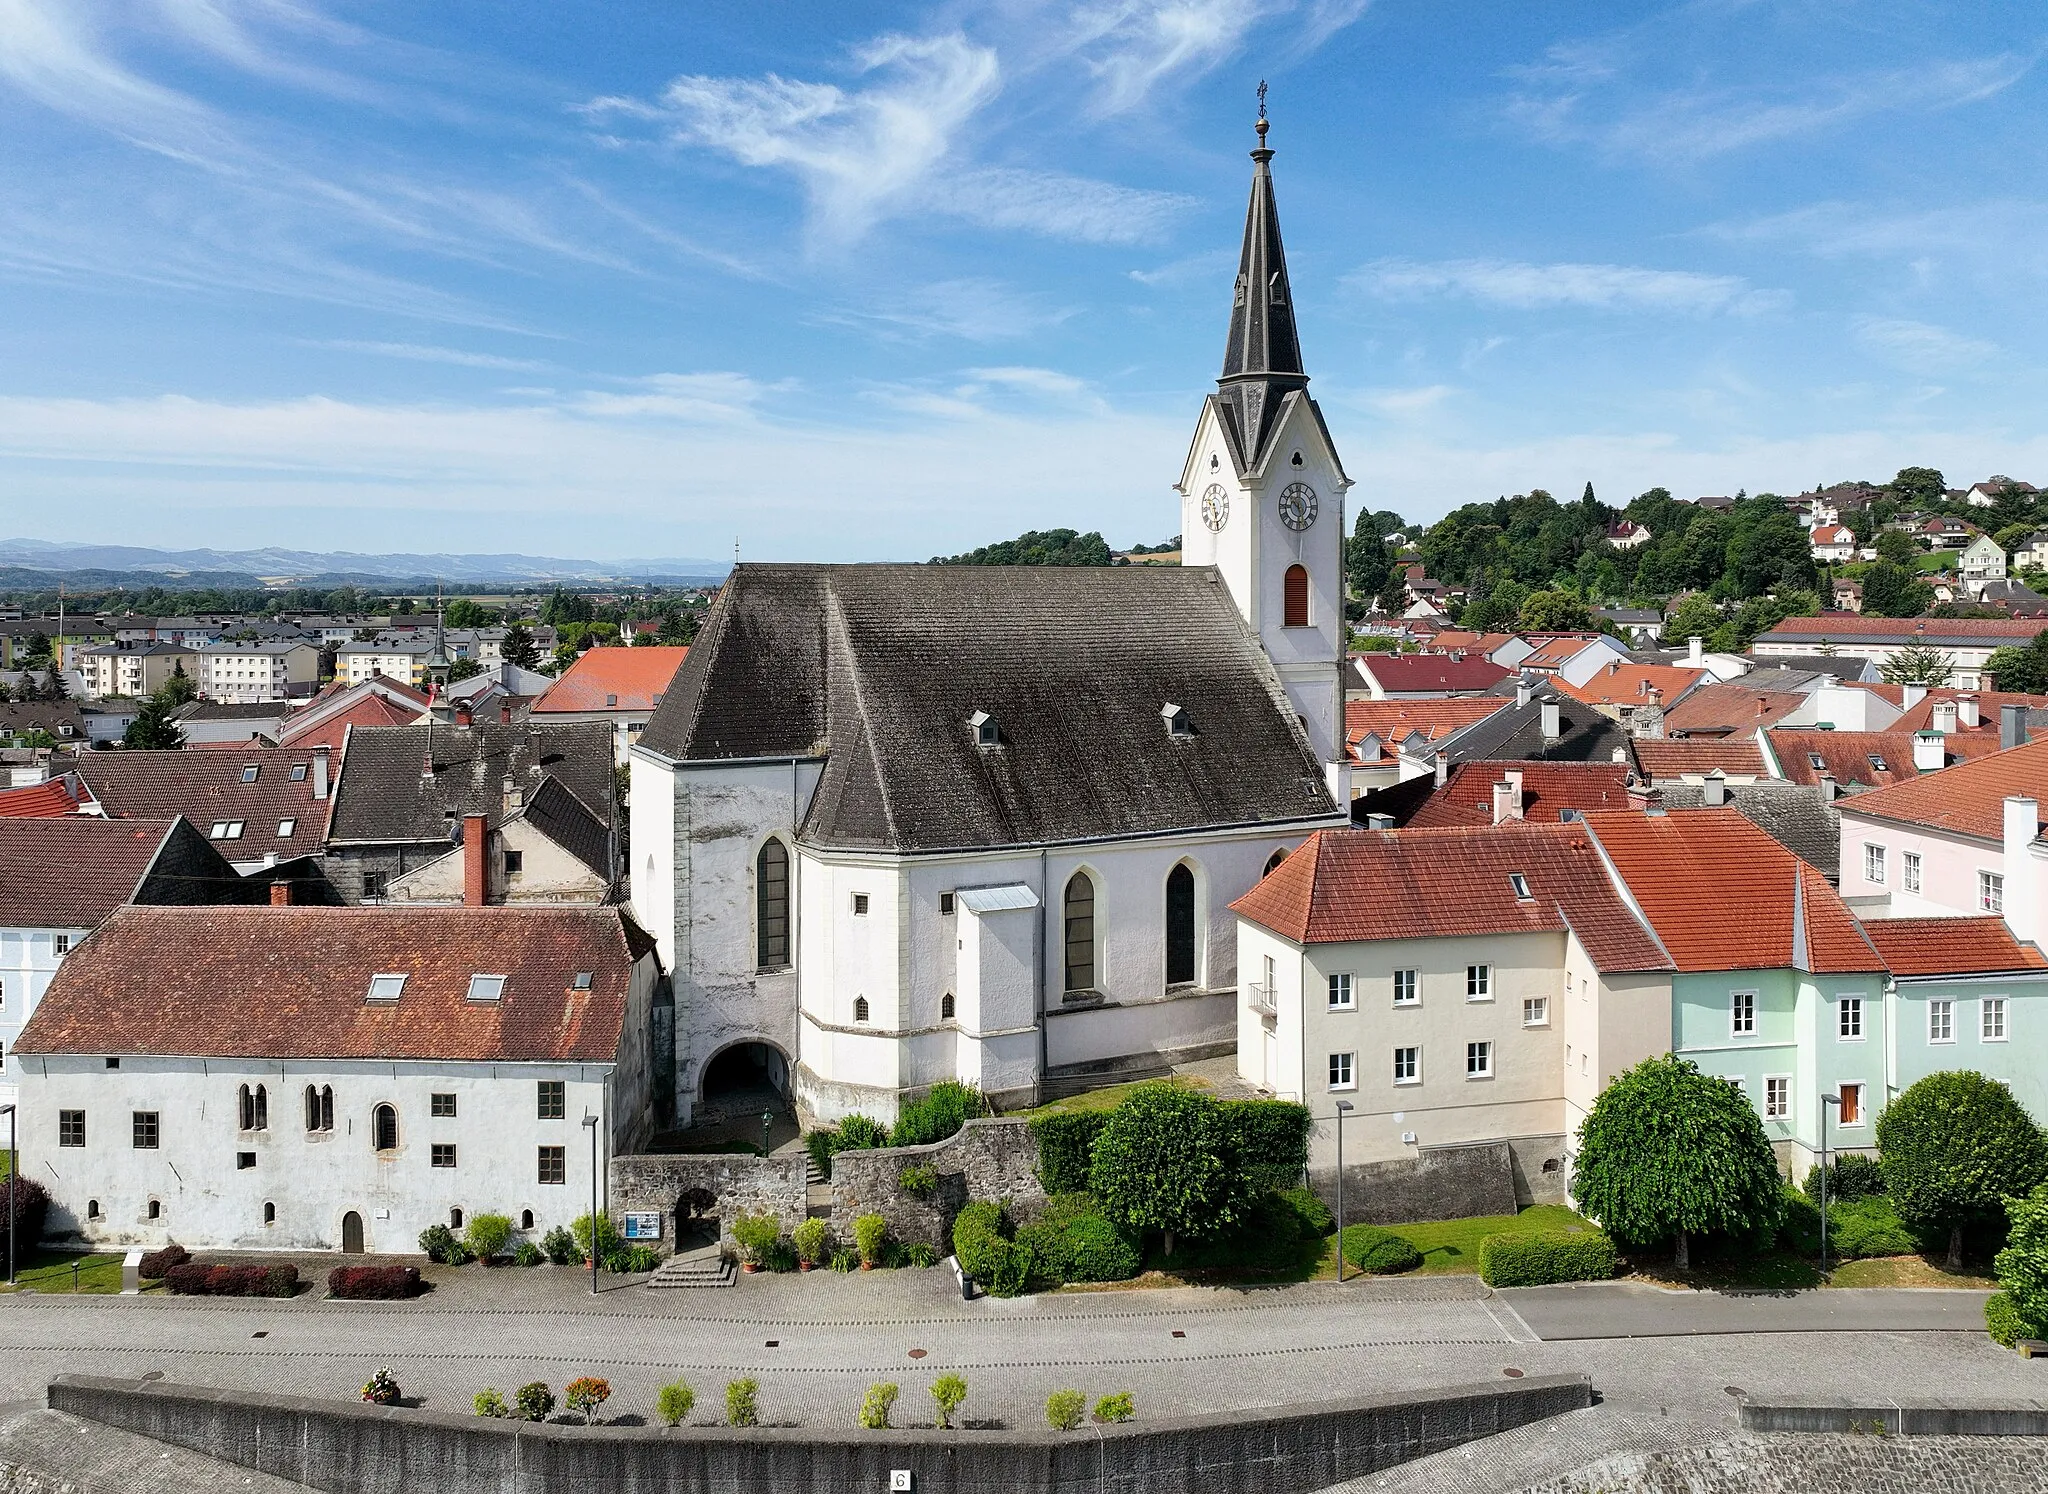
(547, 874)
(28, 959)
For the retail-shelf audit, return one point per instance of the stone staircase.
(705, 1267)
(817, 1192)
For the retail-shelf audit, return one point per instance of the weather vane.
(1262, 125)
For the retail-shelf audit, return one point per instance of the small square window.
(1340, 1071)
(244, 1161)
(554, 1104)
(860, 905)
(581, 982)
(441, 1105)
(386, 987)
(1479, 982)
(146, 1130)
(1777, 1098)
(1340, 993)
(1992, 1025)
(1941, 1021)
(1535, 1011)
(1817, 760)
(945, 903)
(233, 830)
(554, 1164)
(486, 987)
(374, 883)
(1405, 988)
(1849, 1018)
(113, 1063)
(285, 828)
(250, 771)
(1407, 1065)
(71, 1128)
(60, 944)
(443, 1154)
(1479, 1060)
(515, 862)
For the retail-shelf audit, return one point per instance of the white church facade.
(898, 824)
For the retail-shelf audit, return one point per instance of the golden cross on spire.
(1262, 125)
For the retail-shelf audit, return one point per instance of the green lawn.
(1450, 1247)
(1938, 560)
(1111, 1097)
(49, 1272)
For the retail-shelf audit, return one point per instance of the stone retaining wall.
(985, 1159)
(1919, 1418)
(1440, 1182)
(727, 1186)
(345, 1447)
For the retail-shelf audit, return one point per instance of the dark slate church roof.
(878, 668)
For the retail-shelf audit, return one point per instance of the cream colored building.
(136, 670)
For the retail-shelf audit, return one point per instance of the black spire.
(1263, 360)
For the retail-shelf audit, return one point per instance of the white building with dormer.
(898, 824)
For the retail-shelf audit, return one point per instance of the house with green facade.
(1965, 994)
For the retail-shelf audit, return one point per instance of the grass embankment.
(1110, 1098)
(49, 1273)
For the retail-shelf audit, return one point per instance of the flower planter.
(867, 1265)
(753, 1268)
(803, 1265)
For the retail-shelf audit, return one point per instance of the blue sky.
(863, 281)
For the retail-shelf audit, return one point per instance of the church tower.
(1262, 492)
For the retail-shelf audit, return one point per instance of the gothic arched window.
(1180, 926)
(1294, 596)
(1273, 863)
(1079, 924)
(771, 906)
(384, 1128)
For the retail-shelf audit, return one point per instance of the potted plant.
(757, 1234)
(869, 1233)
(813, 1241)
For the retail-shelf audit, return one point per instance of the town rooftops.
(613, 679)
(1951, 946)
(1552, 651)
(1547, 790)
(1517, 730)
(1394, 721)
(1847, 629)
(1623, 683)
(1874, 759)
(247, 814)
(1344, 885)
(72, 872)
(279, 983)
(1968, 799)
(59, 796)
(1722, 710)
(1803, 820)
(228, 710)
(415, 784)
(1433, 673)
(376, 701)
(881, 670)
(1676, 757)
(1688, 869)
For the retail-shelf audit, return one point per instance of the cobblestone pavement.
(1795, 1464)
(817, 1341)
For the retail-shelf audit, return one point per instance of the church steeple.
(1263, 359)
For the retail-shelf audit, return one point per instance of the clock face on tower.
(1215, 507)
(1298, 505)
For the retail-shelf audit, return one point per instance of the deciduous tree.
(1164, 1162)
(1954, 1147)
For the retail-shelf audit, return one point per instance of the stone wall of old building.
(996, 1159)
(715, 1186)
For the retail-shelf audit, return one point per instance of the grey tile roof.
(1847, 668)
(384, 797)
(877, 669)
(1799, 817)
(1515, 733)
(563, 819)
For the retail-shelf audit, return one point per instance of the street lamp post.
(1825, 1101)
(13, 1167)
(767, 1120)
(1343, 1109)
(590, 1124)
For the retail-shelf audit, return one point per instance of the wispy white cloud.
(726, 399)
(1531, 287)
(426, 353)
(1060, 206)
(1918, 346)
(975, 309)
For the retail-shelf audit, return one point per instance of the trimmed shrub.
(585, 1395)
(373, 1283)
(1377, 1251)
(1954, 1147)
(757, 1234)
(1268, 1235)
(1868, 1226)
(1544, 1257)
(1850, 1177)
(674, 1402)
(560, 1246)
(534, 1401)
(1048, 1258)
(922, 1255)
(281, 1280)
(978, 1240)
(156, 1264)
(1012, 1274)
(742, 1403)
(813, 1241)
(874, 1409)
(194, 1280)
(949, 1393)
(1116, 1407)
(2022, 1266)
(606, 1242)
(31, 1207)
(382, 1389)
(1165, 1162)
(2002, 1319)
(487, 1235)
(439, 1245)
(1064, 1409)
(1316, 1219)
(919, 1180)
(1799, 1228)
(526, 1253)
(487, 1402)
(1098, 1251)
(1066, 1147)
(1269, 1139)
(869, 1231)
(948, 1107)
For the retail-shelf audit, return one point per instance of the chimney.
(1714, 790)
(1966, 711)
(1911, 695)
(2012, 726)
(1522, 691)
(1507, 799)
(2019, 901)
(462, 713)
(1643, 795)
(504, 713)
(319, 772)
(1945, 716)
(1379, 822)
(280, 894)
(1830, 790)
(1551, 731)
(476, 844)
(1443, 770)
(1696, 652)
(1929, 752)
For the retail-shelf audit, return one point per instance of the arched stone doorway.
(697, 1223)
(736, 1090)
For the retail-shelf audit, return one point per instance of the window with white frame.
(1849, 1018)
(1340, 1071)
(1479, 982)
(1991, 1026)
(1406, 991)
(1851, 1096)
(1941, 1021)
(1873, 863)
(1909, 870)
(1777, 1097)
(1741, 1083)
(1479, 1060)
(1535, 1011)
(1991, 892)
(1407, 1065)
(1340, 993)
(1742, 1013)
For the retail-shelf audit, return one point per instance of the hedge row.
(373, 1283)
(1546, 1257)
(191, 1280)
(156, 1264)
(2006, 1325)
(1069, 1242)
(1269, 1138)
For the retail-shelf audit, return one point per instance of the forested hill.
(1038, 547)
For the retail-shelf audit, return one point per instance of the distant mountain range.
(170, 567)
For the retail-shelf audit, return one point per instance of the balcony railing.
(1260, 999)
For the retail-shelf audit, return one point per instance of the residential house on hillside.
(1626, 534)
(1986, 494)
(1968, 642)
(416, 805)
(1945, 533)
(618, 686)
(258, 805)
(1642, 625)
(1832, 544)
(1847, 595)
(61, 876)
(403, 1068)
(1423, 676)
(2033, 552)
(1981, 561)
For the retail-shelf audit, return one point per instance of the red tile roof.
(1547, 788)
(1921, 716)
(1552, 651)
(1394, 720)
(1624, 684)
(1968, 799)
(1730, 708)
(1406, 884)
(1992, 630)
(60, 796)
(207, 789)
(1951, 946)
(1723, 895)
(72, 872)
(1413, 674)
(1833, 534)
(1846, 756)
(379, 701)
(1674, 757)
(291, 983)
(613, 679)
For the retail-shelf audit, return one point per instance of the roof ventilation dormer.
(986, 733)
(1178, 722)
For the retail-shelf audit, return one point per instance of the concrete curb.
(1919, 1418)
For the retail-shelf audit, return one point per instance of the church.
(896, 824)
